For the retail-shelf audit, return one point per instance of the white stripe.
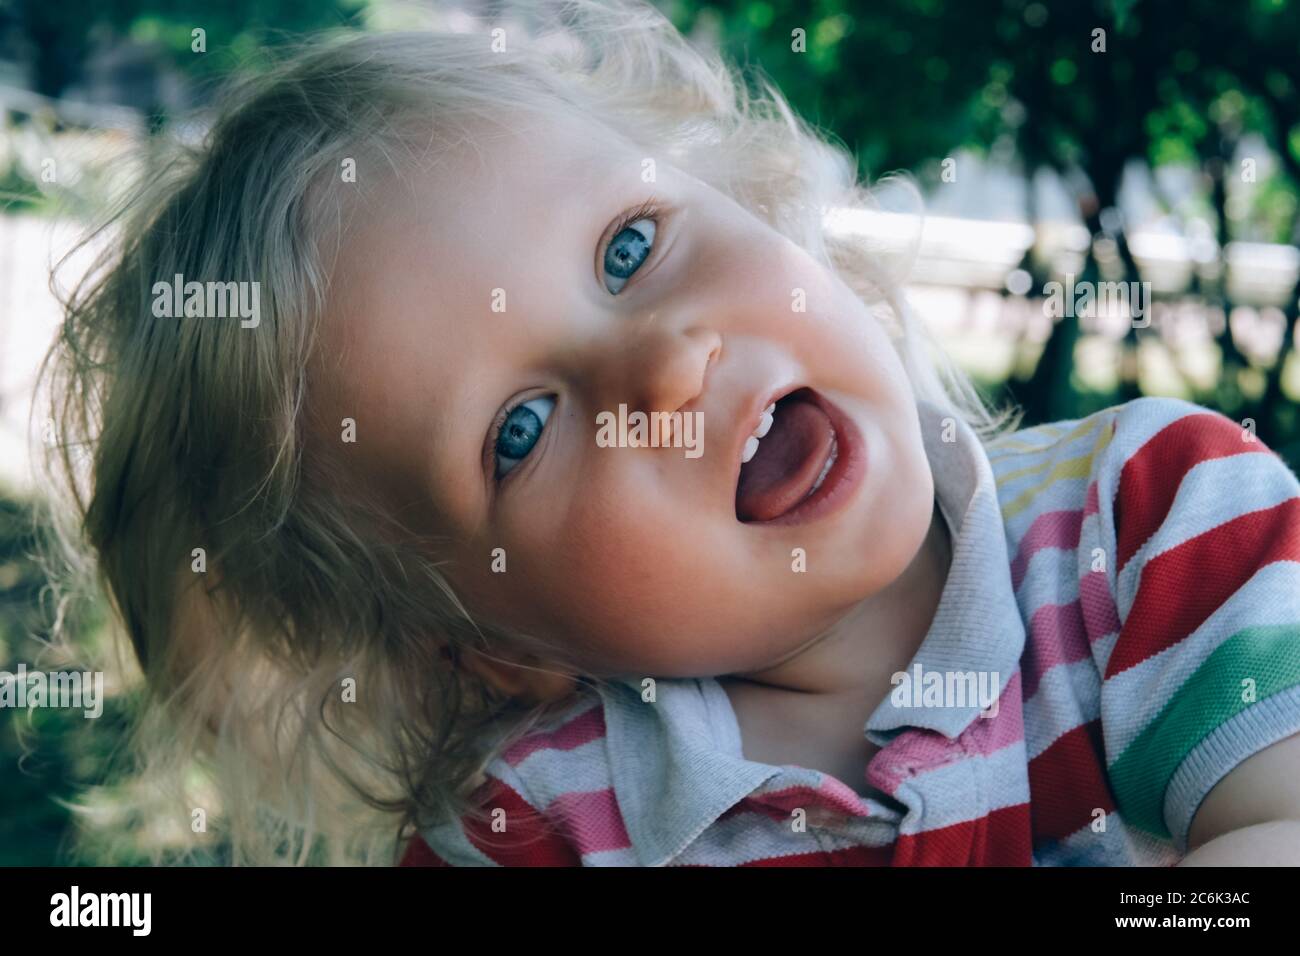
(1102, 648)
(749, 837)
(1058, 450)
(1043, 436)
(1117, 845)
(1068, 696)
(552, 773)
(1137, 423)
(1140, 420)
(1212, 493)
(947, 795)
(1063, 494)
(1247, 732)
(1134, 697)
(625, 856)
(1052, 580)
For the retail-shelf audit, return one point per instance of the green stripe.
(1211, 696)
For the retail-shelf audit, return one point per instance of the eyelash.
(647, 210)
(494, 435)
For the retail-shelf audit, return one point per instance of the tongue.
(789, 459)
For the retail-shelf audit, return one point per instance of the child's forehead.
(528, 154)
(520, 176)
(511, 206)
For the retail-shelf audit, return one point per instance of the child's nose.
(665, 369)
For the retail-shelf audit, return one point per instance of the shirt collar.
(977, 625)
(677, 763)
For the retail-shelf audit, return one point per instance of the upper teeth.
(762, 428)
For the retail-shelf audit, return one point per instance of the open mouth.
(794, 460)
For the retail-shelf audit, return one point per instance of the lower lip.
(841, 482)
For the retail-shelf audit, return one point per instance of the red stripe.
(853, 856)
(1150, 479)
(418, 853)
(1182, 587)
(1000, 838)
(529, 838)
(1067, 783)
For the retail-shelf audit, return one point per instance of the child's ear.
(520, 677)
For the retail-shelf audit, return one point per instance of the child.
(403, 567)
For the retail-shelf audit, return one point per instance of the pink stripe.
(1056, 636)
(1091, 504)
(987, 735)
(1100, 615)
(915, 750)
(830, 794)
(1055, 529)
(591, 821)
(836, 795)
(583, 729)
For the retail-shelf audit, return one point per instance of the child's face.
(482, 283)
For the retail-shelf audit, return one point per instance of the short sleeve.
(1204, 530)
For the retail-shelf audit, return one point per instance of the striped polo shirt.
(1126, 584)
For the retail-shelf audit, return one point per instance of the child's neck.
(811, 709)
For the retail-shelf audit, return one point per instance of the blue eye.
(520, 431)
(626, 252)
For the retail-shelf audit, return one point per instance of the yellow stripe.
(1041, 466)
(1085, 426)
(1012, 444)
(1079, 467)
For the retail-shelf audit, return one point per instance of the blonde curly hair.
(198, 427)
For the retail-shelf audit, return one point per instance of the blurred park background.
(1105, 140)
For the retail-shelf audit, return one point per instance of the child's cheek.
(619, 582)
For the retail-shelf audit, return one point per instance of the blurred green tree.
(59, 34)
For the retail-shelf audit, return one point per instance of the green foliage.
(905, 82)
(238, 32)
(17, 191)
